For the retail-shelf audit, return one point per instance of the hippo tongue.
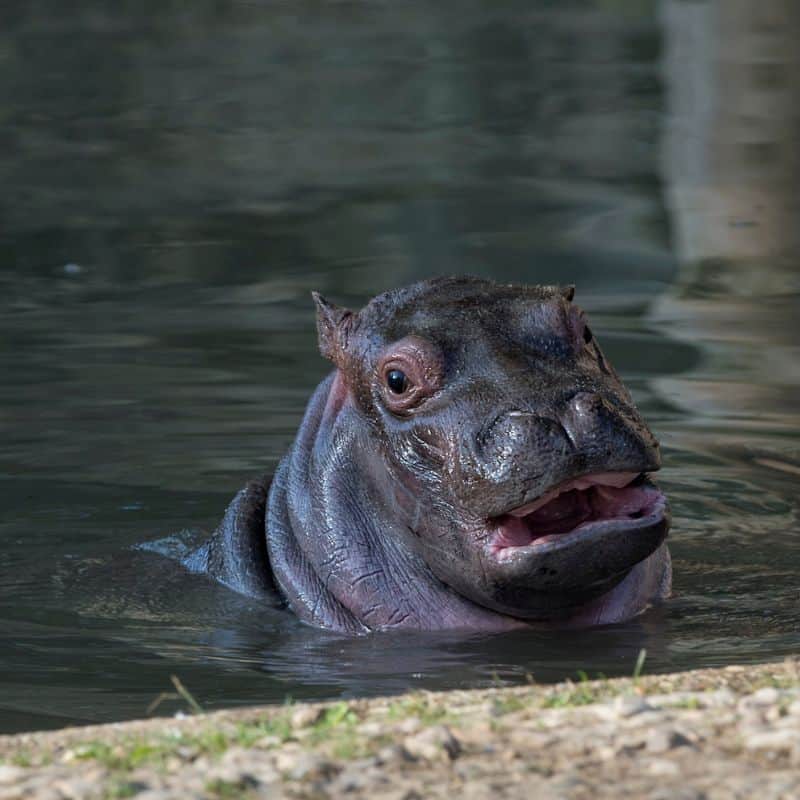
(564, 513)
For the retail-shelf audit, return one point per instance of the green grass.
(577, 695)
(125, 756)
(419, 707)
(128, 754)
(688, 703)
(22, 759)
(339, 715)
(247, 733)
(337, 723)
(508, 705)
(583, 693)
(229, 790)
(639, 666)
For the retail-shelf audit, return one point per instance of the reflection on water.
(176, 183)
(732, 176)
(730, 156)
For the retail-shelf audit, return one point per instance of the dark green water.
(175, 182)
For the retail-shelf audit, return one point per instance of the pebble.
(241, 766)
(244, 760)
(10, 775)
(286, 758)
(763, 698)
(312, 765)
(662, 768)
(410, 725)
(766, 696)
(38, 789)
(74, 788)
(662, 740)
(627, 705)
(720, 698)
(371, 729)
(351, 779)
(267, 742)
(677, 793)
(623, 707)
(305, 716)
(432, 744)
(779, 739)
(392, 753)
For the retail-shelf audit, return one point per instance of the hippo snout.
(519, 452)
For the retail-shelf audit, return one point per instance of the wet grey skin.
(472, 462)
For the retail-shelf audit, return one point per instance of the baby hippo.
(472, 462)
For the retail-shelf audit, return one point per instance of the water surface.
(175, 184)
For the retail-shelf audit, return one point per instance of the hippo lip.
(589, 506)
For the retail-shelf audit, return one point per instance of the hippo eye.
(397, 381)
(408, 373)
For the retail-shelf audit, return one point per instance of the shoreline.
(731, 731)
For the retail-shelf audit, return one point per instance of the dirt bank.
(732, 732)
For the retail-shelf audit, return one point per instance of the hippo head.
(504, 446)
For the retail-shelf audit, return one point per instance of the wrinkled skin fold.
(473, 462)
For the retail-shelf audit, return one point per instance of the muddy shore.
(718, 733)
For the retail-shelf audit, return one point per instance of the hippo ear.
(567, 292)
(333, 327)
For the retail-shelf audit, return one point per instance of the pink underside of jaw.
(648, 583)
(572, 505)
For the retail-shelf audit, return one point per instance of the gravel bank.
(723, 733)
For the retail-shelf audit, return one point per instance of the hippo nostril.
(585, 403)
(581, 416)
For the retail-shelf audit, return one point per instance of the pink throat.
(571, 506)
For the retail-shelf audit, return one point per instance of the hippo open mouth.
(578, 508)
(562, 550)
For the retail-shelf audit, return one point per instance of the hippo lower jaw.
(647, 584)
(581, 549)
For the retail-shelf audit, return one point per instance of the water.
(176, 181)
